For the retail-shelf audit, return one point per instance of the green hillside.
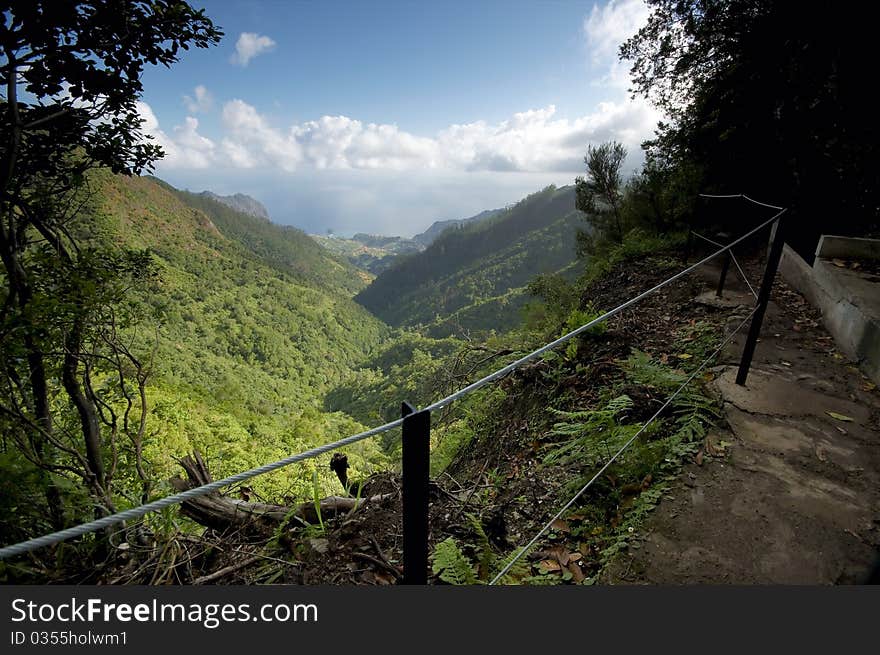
(285, 248)
(472, 277)
(253, 324)
(437, 228)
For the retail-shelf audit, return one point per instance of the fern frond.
(517, 572)
(451, 565)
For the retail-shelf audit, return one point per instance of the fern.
(454, 567)
(517, 573)
(451, 565)
(643, 370)
(485, 556)
(693, 411)
(592, 433)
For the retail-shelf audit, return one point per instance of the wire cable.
(737, 195)
(571, 502)
(735, 262)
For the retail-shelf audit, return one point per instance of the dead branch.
(222, 512)
(216, 575)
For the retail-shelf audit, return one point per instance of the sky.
(384, 117)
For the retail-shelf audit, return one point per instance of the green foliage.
(485, 556)
(420, 370)
(73, 378)
(576, 319)
(239, 352)
(692, 412)
(470, 270)
(599, 195)
(283, 248)
(316, 499)
(557, 298)
(447, 441)
(450, 565)
(591, 435)
(637, 243)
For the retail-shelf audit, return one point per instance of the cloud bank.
(534, 141)
(341, 172)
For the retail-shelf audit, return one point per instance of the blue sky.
(386, 116)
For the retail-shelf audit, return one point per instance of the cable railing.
(527, 548)
(742, 273)
(416, 430)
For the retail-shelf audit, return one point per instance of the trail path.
(789, 491)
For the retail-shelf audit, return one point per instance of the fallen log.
(222, 512)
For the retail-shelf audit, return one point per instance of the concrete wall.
(832, 247)
(849, 304)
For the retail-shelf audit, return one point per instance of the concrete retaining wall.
(849, 302)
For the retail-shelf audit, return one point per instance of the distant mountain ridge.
(437, 228)
(377, 253)
(282, 246)
(473, 278)
(240, 202)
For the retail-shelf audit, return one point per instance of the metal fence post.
(724, 268)
(773, 258)
(416, 466)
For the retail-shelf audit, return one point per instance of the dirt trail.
(788, 492)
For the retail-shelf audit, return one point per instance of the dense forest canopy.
(467, 275)
(140, 322)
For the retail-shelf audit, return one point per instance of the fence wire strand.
(742, 273)
(714, 196)
(622, 449)
(174, 499)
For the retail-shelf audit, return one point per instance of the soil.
(792, 493)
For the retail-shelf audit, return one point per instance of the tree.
(768, 99)
(71, 79)
(599, 195)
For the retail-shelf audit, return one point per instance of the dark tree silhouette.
(768, 99)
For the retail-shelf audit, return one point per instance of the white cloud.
(149, 122)
(340, 142)
(200, 101)
(530, 141)
(186, 149)
(611, 24)
(251, 141)
(249, 45)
